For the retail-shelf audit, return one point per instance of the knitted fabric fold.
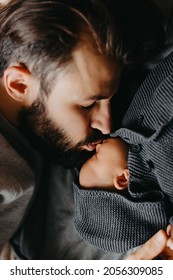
(118, 222)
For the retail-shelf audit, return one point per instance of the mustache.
(95, 136)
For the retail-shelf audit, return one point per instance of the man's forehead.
(91, 75)
(94, 68)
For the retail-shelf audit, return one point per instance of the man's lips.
(92, 146)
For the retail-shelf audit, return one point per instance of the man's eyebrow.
(102, 95)
(105, 93)
(98, 97)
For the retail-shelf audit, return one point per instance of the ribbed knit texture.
(119, 221)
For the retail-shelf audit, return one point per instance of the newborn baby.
(107, 169)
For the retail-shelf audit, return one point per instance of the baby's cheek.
(85, 176)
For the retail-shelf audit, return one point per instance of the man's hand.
(154, 247)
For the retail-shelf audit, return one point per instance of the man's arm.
(154, 247)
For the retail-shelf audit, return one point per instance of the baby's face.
(110, 158)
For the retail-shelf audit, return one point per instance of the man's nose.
(101, 117)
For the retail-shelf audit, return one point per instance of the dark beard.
(42, 133)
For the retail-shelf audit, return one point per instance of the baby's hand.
(169, 231)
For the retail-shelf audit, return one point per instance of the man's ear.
(121, 181)
(16, 81)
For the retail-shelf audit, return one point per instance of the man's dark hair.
(41, 34)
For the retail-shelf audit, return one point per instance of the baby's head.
(107, 168)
